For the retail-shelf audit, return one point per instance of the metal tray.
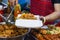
(19, 37)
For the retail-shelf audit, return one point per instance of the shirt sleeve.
(56, 1)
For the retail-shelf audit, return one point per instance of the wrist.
(44, 19)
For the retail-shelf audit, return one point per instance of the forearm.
(53, 16)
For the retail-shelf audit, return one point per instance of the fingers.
(13, 2)
(42, 18)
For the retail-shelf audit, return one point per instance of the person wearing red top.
(50, 9)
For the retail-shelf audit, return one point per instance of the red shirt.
(41, 7)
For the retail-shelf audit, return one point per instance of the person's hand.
(13, 2)
(43, 19)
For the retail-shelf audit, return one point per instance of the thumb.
(43, 19)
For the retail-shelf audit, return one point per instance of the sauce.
(17, 10)
(1, 12)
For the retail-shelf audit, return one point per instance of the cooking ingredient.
(43, 34)
(7, 31)
(1, 12)
(17, 10)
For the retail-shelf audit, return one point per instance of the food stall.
(18, 25)
(8, 29)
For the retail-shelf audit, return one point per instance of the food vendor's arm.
(55, 15)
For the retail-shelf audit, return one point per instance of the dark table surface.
(30, 37)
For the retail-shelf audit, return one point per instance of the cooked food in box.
(28, 16)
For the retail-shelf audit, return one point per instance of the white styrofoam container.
(24, 23)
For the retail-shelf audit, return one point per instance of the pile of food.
(28, 16)
(55, 30)
(11, 31)
(47, 34)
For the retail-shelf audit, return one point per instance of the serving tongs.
(7, 21)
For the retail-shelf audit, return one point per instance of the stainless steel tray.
(19, 37)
